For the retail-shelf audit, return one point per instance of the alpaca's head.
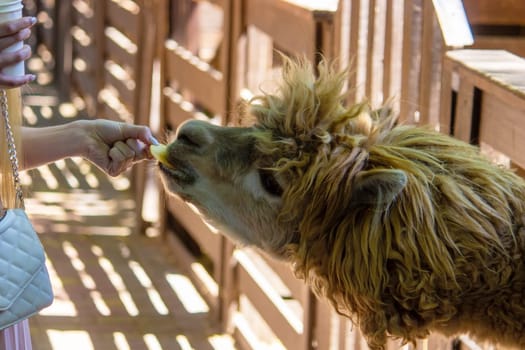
(300, 159)
(396, 225)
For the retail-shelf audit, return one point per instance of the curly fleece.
(404, 229)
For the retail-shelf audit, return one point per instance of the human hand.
(10, 33)
(115, 146)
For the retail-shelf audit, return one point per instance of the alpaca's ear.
(378, 186)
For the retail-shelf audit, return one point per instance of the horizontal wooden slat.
(125, 21)
(503, 127)
(187, 259)
(85, 17)
(298, 288)
(285, 23)
(107, 111)
(499, 77)
(490, 12)
(178, 110)
(268, 310)
(89, 55)
(497, 71)
(175, 115)
(122, 56)
(89, 25)
(210, 242)
(514, 44)
(126, 95)
(196, 76)
(85, 83)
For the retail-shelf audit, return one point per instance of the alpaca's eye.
(269, 183)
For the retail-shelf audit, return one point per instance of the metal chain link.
(11, 149)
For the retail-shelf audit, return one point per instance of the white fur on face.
(242, 209)
(251, 183)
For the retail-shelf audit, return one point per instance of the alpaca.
(403, 229)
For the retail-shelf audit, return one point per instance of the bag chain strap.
(11, 148)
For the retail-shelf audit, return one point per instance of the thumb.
(140, 132)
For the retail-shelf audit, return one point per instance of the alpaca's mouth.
(179, 171)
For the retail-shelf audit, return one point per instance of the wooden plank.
(86, 16)
(463, 121)
(427, 65)
(209, 242)
(454, 25)
(267, 309)
(490, 12)
(394, 20)
(63, 54)
(388, 59)
(175, 115)
(298, 289)
(113, 112)
(326, 40)
(87, 24)
(47, 38)
(369, 50)
(126, 94)
(128, 22)
(89, 55)
(236, 61)
(411, 61)
(514, 44)
(326, 327)
(146, 57)
(497, 71)
(285, 23)
(197, 77)
(503, 128)
(85, 84)
(227, 38)
(445, 107)
(354, 84)
(122, 56)
(518, 169)
(186, 260)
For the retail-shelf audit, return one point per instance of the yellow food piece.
(160, 153)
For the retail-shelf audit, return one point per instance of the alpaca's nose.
(195, 133)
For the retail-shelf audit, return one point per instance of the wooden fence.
(212, 53)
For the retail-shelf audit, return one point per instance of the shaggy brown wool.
(404, 229)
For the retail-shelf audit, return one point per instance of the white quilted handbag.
(25, 287)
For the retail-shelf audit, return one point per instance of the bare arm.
(112, 146)
(45, 145)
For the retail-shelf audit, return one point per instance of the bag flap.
(21, 255)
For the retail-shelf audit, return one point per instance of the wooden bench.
(483, 100)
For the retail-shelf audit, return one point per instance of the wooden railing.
(483, 100)
(207, 64)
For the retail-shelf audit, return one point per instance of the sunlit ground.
(114, 288)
